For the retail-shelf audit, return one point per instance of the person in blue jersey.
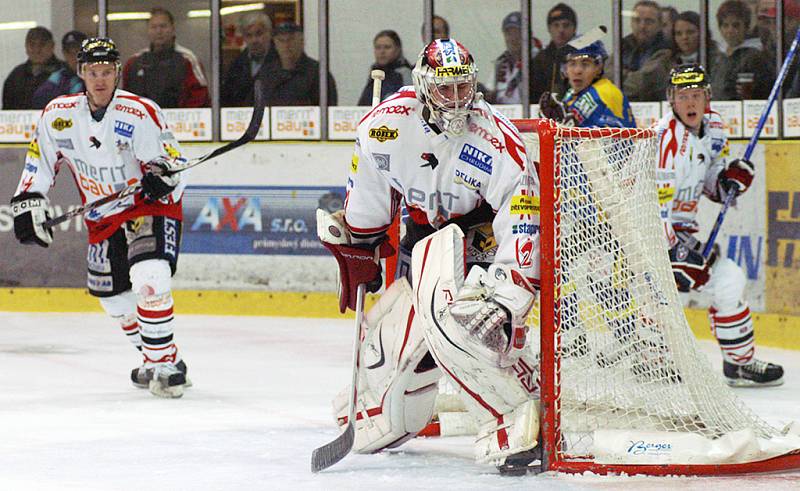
(591, 100)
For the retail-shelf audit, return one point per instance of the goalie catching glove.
(737, 177)
(30, 211)
(690, 268)
(358, 263)
(160, 179)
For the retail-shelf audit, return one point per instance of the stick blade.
(588, 37)
(331, 453)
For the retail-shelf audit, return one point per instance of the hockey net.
(624, 385)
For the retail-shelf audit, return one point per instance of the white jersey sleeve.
(716, 143)
(513, 193)
(665, 173)
(41, 164)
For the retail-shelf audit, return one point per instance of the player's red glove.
(737, 177)
(358, 263)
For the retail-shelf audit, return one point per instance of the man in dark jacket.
(237, 88)
(644, 41)
(545, 71)
(166, 72)
(66, 80)
(24, 79)
(293, 79)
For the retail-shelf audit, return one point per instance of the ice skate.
(757, 373)
(168, 381)
(141, 376)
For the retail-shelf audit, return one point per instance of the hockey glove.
(30, 211)
(737, 177)
(358, 263)
(159, 180)
(551, 108)
(690, 268)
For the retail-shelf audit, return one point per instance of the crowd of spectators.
(741, 63)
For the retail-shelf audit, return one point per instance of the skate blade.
(745, 383)
(170, 392)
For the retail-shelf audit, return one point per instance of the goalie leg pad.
(495, 384)
(515, 432)
(398, 380)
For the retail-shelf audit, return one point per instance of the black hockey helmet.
(98, 50)
(688, 76)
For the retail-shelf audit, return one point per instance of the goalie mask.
(445, 80)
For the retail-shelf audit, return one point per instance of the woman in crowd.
(389, 58)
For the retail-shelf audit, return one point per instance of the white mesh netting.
(625, 355)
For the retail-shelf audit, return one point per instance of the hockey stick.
(331, 453)
(712, 237)
(248, 136)
(588, 37)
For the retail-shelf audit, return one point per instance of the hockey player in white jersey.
(693, 161)
(109, 139)
(461, 169)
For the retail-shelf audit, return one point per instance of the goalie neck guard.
(445, 80)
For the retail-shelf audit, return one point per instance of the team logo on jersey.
(469, 182)
(123, 129)
(122, 146)
(94, 142)
(383, 133)
(61, 124)
(33, 150)
(430, 160)
(476, 158)
(382, 160)
(524, 252)
(65, 143)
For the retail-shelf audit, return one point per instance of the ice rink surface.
(70, 419)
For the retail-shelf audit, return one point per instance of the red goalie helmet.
(445, 79)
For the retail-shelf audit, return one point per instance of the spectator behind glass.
(652, 79)
(389, 58)
(791, 22)
(441, 30)
(237, 88)
(668, 17)
(66, 80)
(747, 72)
(24, 79)
(545, 72)
(166, 72)
(637, 47)
(508, 66)
(293, 78)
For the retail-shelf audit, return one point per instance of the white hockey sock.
(122, 308)
(734, 332)
(130, 326)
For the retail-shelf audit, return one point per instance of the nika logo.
(476, 158)
(383, 133)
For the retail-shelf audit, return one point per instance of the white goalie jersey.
(688, 167)
(398, 156)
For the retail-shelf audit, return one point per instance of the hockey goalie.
(468, 262)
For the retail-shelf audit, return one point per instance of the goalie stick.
(331, 453)
(248, 136)
(712, 237)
